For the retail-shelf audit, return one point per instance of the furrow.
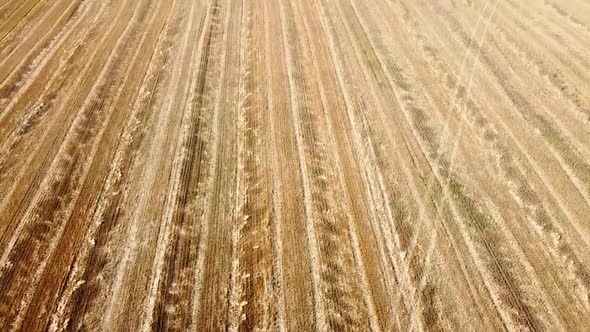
(57, 205)
(252, 300)
(477, 219)
(488, 136)
(211, 303)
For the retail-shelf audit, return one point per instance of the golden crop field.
(305, 165)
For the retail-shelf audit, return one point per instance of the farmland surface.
(378, 165)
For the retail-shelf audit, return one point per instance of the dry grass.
(294, 165)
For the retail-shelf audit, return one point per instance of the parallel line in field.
(108, 213)
(28, 41)
(31, 55)
(495, 143)
(5, 3)
(31, 157)
(557, 81)
(17, 17)
(522, 150)
(49, 157)
(578, 171)
(405, 168)
(462, 114)
(507, 281)
(446, 229)
(252, 296)
(307, 165)
(179, 171)
(61, 187)
(551, 190)
(22, 245)
(240, 219)
(455, 103)
(278, 251)
(16, 132)
(311, 237)
(130, 277)
(384, 185)
(332, 228)
(214, 173)
(382, 189)
(105, 186)
(37, 72)
(569, 16)
(113, 125)
(366, 159)
(368, 298)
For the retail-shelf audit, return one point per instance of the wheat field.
(305, 165)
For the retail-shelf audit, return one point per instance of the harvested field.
(379, 165)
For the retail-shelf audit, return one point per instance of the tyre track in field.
(374, 294)
(413, 269)
(552, 188)
(400, 210)
(523, 193)
(478, 220)
(488, 134)
(577, 169)
(548, 68)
